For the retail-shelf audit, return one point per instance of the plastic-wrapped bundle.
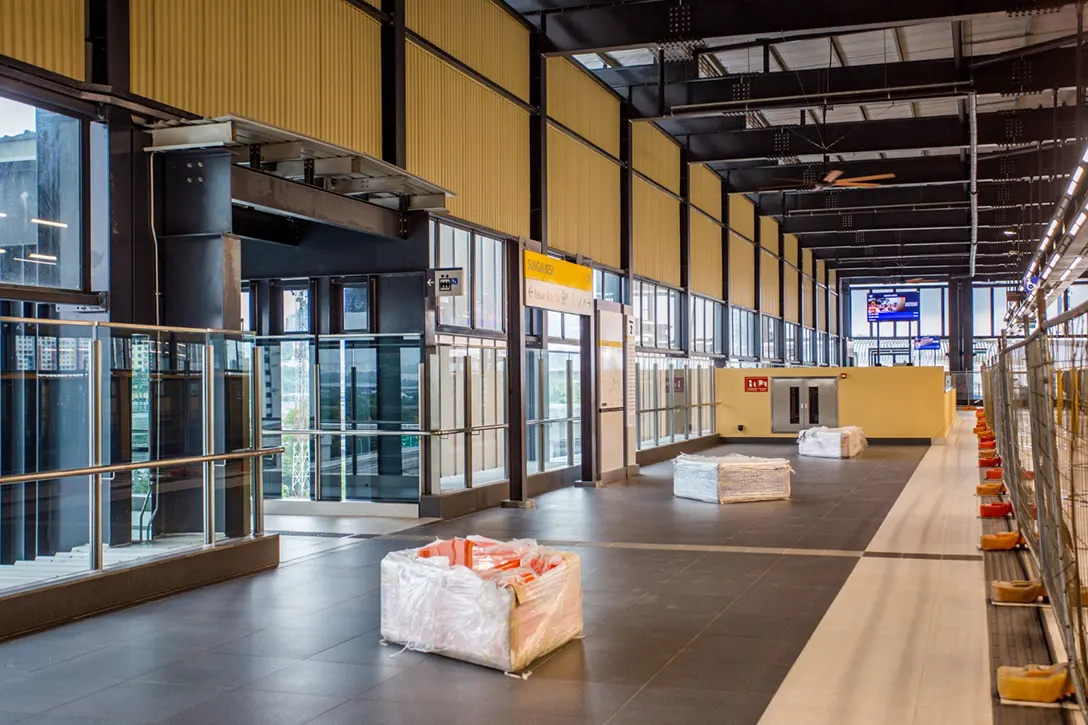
(826, 442)
(496, 604)
(731, 479)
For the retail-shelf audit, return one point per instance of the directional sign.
(449, 282)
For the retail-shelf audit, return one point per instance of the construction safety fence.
(1034, 392)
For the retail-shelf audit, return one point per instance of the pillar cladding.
(199, 259)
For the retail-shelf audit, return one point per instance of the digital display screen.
(892, 306)
(927, 343)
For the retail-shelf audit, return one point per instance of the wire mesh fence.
(1034, 400)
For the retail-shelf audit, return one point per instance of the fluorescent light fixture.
(1009, 233)
(1052, 228)
(1064, 275)
(34, 261)
(1072, 188)
(1085, 157)
(1078, 173)
(43, 257)
(48, 223)
(1053, 260)
(3, 215)
(1034, 265)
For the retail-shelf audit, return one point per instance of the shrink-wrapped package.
(496, 604)
(731, 479)
(831, 442)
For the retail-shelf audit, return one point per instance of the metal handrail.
(123, 326)
(124, 467)
(356, 433)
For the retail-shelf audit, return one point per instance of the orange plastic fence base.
(1005, 541)
(993, 474)
(990, 489)
(989, 462)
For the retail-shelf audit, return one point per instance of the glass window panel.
(296, 310)
(454, 251)
(981, 318)
(356, 308)
(859, 323)
(613, 287)
(1078, 294)
(247, 323)
(932, 317)
(675, 328)
(662, 310)
(40, 197)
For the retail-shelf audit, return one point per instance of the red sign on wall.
(756, 385)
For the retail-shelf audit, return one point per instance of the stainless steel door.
(787, 400)
(800, 403)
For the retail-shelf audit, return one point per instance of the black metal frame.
(473, 231)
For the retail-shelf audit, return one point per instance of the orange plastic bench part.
(1017, 591)
(990, 489)
(994, 474)
(1004, 541)
(995, 510)
(989, 462)
(987, 453)
(1034, 683)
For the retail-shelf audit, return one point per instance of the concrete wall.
(903, 402)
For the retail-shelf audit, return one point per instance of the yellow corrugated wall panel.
(216, 57)
(46, 33)
(821, 271)
(477, 146)
(832, 279)
(742, 272)
(478, 33)
(821, 308)
(580, 104)
(705, 189)
(806, 262)
(768, 234)
(806, 303)
(792, 293)
(705, 275)
(583, 200)
(742, 216)
(656, 155)
(769, 284)
(833, 325)
(792, 249)
(656, 234)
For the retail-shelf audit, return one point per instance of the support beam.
(588, 27)
(851, 223)
(394, 93)
(994, 129)
(920, 170)
(992, 195)
(692, 96)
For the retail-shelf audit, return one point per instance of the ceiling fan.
(832, 180)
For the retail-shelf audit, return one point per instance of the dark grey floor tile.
(149, 702)
(35, 693)
(675, 706)
(366, 649)
(191, 637)
(286, 642)
(23, 655)
(47, 719)
(251, 707)
(217, 669)
(751, 650)
(763, 626)
(357, 712)
(122, 662)
(691, 672)
(329, 679)
(8, 718)
(575, 662)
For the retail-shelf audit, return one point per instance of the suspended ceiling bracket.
(272, 150)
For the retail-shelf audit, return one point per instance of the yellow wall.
(477, 146)
(705, 276)
(656, 233)
(742, 216)
(46, 33)
(768, 234)
(478, 33)
(821, 272)
(904, 402)
(769, 302)
(580, 104)
(833, 322)
(806, 262)
(241, 57)
(821, 308)
(791, 253)
(791, 289)
(806, 302)
(705, 189)
(583, 200)
(656, 155)
(742, 271)
(832, 279)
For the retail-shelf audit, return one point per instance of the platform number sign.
(757, 385)
(447, 282)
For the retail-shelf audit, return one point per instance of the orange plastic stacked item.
(993, 474)
(989, 462)
(986, 437)
(498, 561)
(987, 452)
(995, 510)
(1005, 541)
(990, 489)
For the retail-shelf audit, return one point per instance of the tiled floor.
(697, 634)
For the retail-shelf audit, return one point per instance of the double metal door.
(800, 403)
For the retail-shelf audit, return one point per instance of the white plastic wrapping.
(831, 442)
(431, 605)
(731, 479)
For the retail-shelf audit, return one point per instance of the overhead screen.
(892, 306)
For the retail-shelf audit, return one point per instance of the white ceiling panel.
(633, 56)
(927, 41)
(995, 33)
(877, 46)
(783, 116)
(804, 54)
(842, 114)
(591, 61)
(746, 60)
(937, 107)
(884, 111)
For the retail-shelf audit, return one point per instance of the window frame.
(473, 328)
